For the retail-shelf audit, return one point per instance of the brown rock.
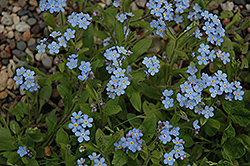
(10, 83)
(7, 48)
(16, 9)
(11, 68)
(18, 36)
(3, 81)
(10, 34)
(22, 3)
(26, 35)
(5, 54)
(3, 94)
(12, 44)
(31, 8)
(35, 29)
(2, 38)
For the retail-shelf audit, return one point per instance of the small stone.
(10, 83)
(21, 45)
(11, 68)
(3, 81)
(42, 25)
(18, 36)
(21, 63)
(5, 62)
(53, 70)
(29, 53)
(7, 48)
(12, 44)
(2, 48)
(141, 3)
(240, 2)
(33, 47)
(3, 4)
(35, 29)
(22, 13)
(248, 7)
(228, 6)
(31, 8)
(47, 62)
(18, 53)
(33, 3)
(31, 21)
(31, 41)
(39, 56)
(133, 6)
(5, 54)
(46, 32)
(10, 28)
(1, 28)
(16, 19)
(22, 92)
(22, 3)
(15, 59)
(7, 20)
(36, 16)
(2, 38)
(38, 10)
(16, 9)
(213, 5)
(24, 18)
(26, 35)
(3, 95)
(10, 34)
(22, 27)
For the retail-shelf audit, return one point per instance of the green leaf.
(245, 24)
(233, 149)
(38, 72)
(99, 137)
(137, 13)
(45, 92)
(242, 117)
(224, 163)
(149, 109)
(91, 91)
(32, 162)
(120, 158)
(101, 34)
(61, 67)
(83, 50)
(54, 77)
(212, 127)
(109, 16)
(233, 106)
(134, 98)
(119, 32)
(62, 137)
(7, 141)
(148, 128)
(49, 20)
(139, 48)
(133, 119)
(236, 19)
(188, 140)
(63, 90)
(12, 157)
(14, 126)
(226, 14)
(245, 140)
(229, 131)
(114, 109)
(149, 91)
(115, 138)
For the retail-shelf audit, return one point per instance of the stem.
(141, 18)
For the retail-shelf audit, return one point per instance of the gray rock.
(3, 3)
(32, 47)
(31, 21)
(24, 18)
(5, 61)
(31, 42)
(11, 68)
(12, 44)
(21, 45)
(33, 3)
(47, 62)
(21, 63)
(46, 32)
(1, 28)
(16, 9)
(248, 7)
(141, 3)
(22, 12)
(16, 19)
(240, 2)
(6, 20)
(18, 53)
(10, 28)
(228, 6)
(213, 5)
(42, 25)
(39, 56)
(10, 83)
(10, 34)
(22, 27)
(3, 81)
(133, 6)
(31, 55)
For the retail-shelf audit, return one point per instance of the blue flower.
(135, 133)
(229, 97)
(62, 41)
(178, 19)
(121, 50)
(119, 72)
(73, 56)
(192, 70)
(157, 10)
(29, 74)
(169, 159)
(165, 137)
(85, 67)
(153, 24)
(43, 5)
(20, 71)
(69, 34)
(83, 77)
(94, 156)
(116, 3)
(198, 109)
(53, 48)
(87, 121)
(76, 116)
(198, 34)
(72, 63)
(215, 91)
(175, 131)
(22, 151)
(178, 151)
(122, 18)
(204, 49)
(84, 23)
(238, 94)
(54, 34)
(18, 79)
(100, 162)
(208, 112)
(80, 162)
(41, 47)
(75, 125)
(83, 134)
(167, 93)
(132, 144)
(118, 145)
(221, 76)
(167, 125)
(179, 8)
(168, 102)
(130, 14)
(226, 58)
(195, 124)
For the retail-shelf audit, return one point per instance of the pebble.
(3, 3)
(22, 92)
(213, 5)
(2, 48)
(24, 18)
(12, 44)
(21, 45)
(21, 63)
(3, 81)
(10, 28)
(141, 3)
(31, 42)
(248, 7)
(22, 12)
(38, 10)
(18, 36)
(16, 9)
(7, 48)
(228, 6)
(22, 3)
(47, 62)
(42, 25)
(6, 20)
(16, 19)
(26, 35)
(1, 28)
(133, 6)
(22, 27)
(5, 62)
(18, 53)
(31, 21)
(11, 68)
(33, 3)
(32, 47)
(39, 56)
(35, 29)
(30, 53)
(240, 2)
(5, 54)
(46, 32)
(10, 34)
(10, 83)
(3, 94)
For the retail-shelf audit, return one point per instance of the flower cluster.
(80, 19)
(218, 84)
(125, 16)
(206, 55)
(168, 102)
(29, 81)
(132, 141)
(118, 82)
(165, 136)
(99, 161)
(53, 5)
(165, 12)
(78, 124)
(153, 64)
